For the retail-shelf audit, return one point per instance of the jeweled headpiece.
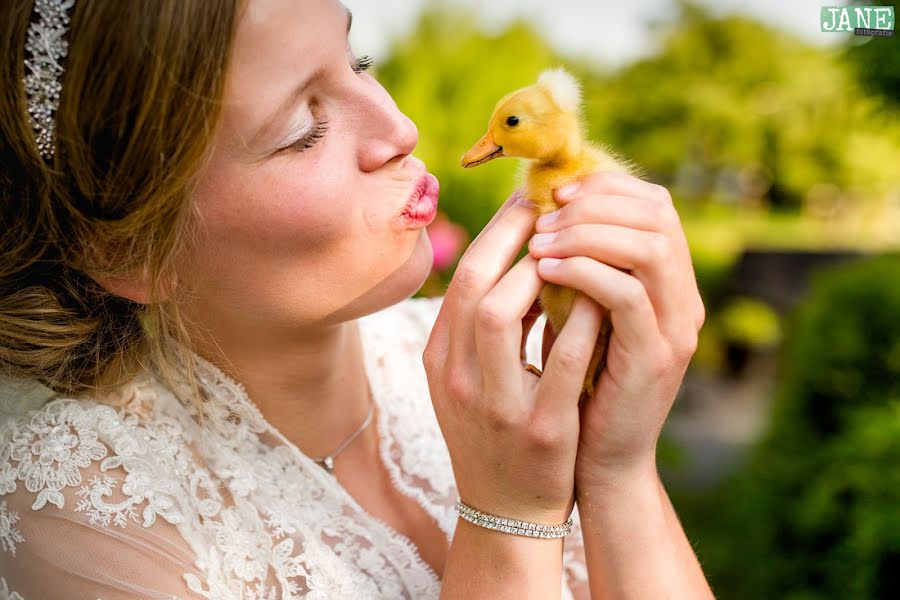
(47, 45)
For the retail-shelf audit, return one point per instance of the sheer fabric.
(128, 497)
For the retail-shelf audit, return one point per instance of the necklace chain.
(327, 462)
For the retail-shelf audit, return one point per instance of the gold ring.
(533, 369)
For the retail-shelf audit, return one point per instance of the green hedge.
(816, 511)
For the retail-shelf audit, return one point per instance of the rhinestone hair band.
(47, 46)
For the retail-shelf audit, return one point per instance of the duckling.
(543, 125)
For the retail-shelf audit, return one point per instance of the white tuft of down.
(563, 87)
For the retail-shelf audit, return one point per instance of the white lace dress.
(138, 501)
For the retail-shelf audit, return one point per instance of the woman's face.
(305, 198)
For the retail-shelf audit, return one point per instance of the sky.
(610, 33)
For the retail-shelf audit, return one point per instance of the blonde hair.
(141, 98)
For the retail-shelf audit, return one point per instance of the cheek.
(275, 215)
(309, 242)
(339, 232)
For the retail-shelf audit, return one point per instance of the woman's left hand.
(619, 240)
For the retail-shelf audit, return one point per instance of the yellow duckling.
(543, 124)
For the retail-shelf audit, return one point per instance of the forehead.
(277, 44)
(532, 99)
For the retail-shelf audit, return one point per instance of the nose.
(389, 133)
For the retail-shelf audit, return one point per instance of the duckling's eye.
(512, 121)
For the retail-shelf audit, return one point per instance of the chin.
(409, 277)
(402, 283)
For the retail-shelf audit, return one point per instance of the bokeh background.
(781, 147)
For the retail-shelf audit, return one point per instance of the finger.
(566, 366)
(649, 256)
(498, 331)
(631, 312)
(516, 197)
(490, 255)
(617, 197)
(627, 211)
(478, 271)
(610, 182)
(440, 334)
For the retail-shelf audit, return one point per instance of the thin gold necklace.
(327, 462)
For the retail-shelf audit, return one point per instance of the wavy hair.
(141, 97)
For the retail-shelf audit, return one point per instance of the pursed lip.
(426, 183)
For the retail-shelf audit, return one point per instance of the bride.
(213, 225)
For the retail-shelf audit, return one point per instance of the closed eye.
(362, 63)
(318, 131)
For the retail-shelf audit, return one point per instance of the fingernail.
(542, 239)
(548, 219)
(524, 201)
(549, 263)
(567, 191)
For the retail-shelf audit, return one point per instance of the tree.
(877, 60)
(731, 107)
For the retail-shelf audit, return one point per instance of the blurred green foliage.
(877, 61)
(736, 111)
(814, 514)
(749, 322)
(764, 141)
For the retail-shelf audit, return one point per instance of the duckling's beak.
(482, 152)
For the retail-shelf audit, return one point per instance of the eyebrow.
(297, 91)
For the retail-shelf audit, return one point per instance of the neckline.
(384, 438)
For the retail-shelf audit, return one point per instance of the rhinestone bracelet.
(525, 528)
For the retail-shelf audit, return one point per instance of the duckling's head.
(540, 122)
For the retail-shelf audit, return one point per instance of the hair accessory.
(525, 528)
(47, 46)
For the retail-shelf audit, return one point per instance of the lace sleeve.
(75, 524)
(421, 313)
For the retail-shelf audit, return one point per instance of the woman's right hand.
(512, 436)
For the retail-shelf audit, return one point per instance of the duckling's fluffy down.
(563, 87)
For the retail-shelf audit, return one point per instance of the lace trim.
(62, 438)
(6, 593)
(411, 429)
(9, 535)
(385, 438)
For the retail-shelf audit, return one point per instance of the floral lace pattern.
(9, 535)
(5, 593)
(263, 520)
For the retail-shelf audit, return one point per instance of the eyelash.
(318, 131)
(363, 62)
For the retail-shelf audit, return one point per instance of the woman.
(221, 208)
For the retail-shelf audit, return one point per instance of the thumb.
(567, 363)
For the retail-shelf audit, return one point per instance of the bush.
(750, 322)
(815, 512)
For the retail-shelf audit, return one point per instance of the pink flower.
(447, 241)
